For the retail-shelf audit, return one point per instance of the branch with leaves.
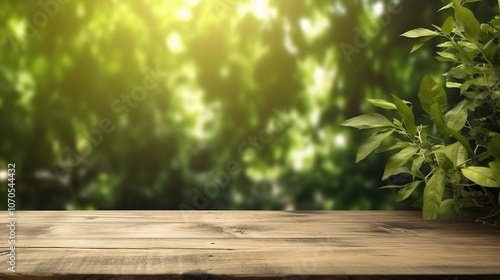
(456, 157)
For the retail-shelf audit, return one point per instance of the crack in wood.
(388, 228)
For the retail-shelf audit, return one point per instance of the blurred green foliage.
(85, 135)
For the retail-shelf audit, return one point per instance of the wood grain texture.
(249, 244)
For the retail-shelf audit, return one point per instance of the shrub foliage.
(455, 155)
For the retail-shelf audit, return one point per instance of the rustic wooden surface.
(249, 244)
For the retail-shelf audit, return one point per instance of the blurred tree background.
(202, 104)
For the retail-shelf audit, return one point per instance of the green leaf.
(415, 166)
(419, 32)
(457, 117)
(395, 162)
(398, 145)
(448, 26)
(461, 72)
(384, 104)
(439, 120)
(482, 176)
(447, 6)
(370, 144)
(445, 45)
(391, 187)
(466, 18)
(467, 45)
(445, 163)
(460, 138)
(489, 49)
(453, 85)
(435, 113)
(446, 209)
(407, 190)
(446, 57)
(454, 176)
(465, 57)
(406, 114)
(433, 194)
(366, 121)
(465, 86)
(495, 168)
(455, 152)
(431, 92)
(420, 42)
(484, 82)
(462, 156)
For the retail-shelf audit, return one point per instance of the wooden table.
(296, 245)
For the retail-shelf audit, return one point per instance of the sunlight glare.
(314, 27)
(260, 10)
(340, 141)
(184, 14)
(192, 2)
(174, 43)
(378, 8)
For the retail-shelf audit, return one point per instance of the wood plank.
(217, 216)
(255, 244)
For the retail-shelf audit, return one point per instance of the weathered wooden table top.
(270, 244)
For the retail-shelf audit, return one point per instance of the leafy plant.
(456, 155)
